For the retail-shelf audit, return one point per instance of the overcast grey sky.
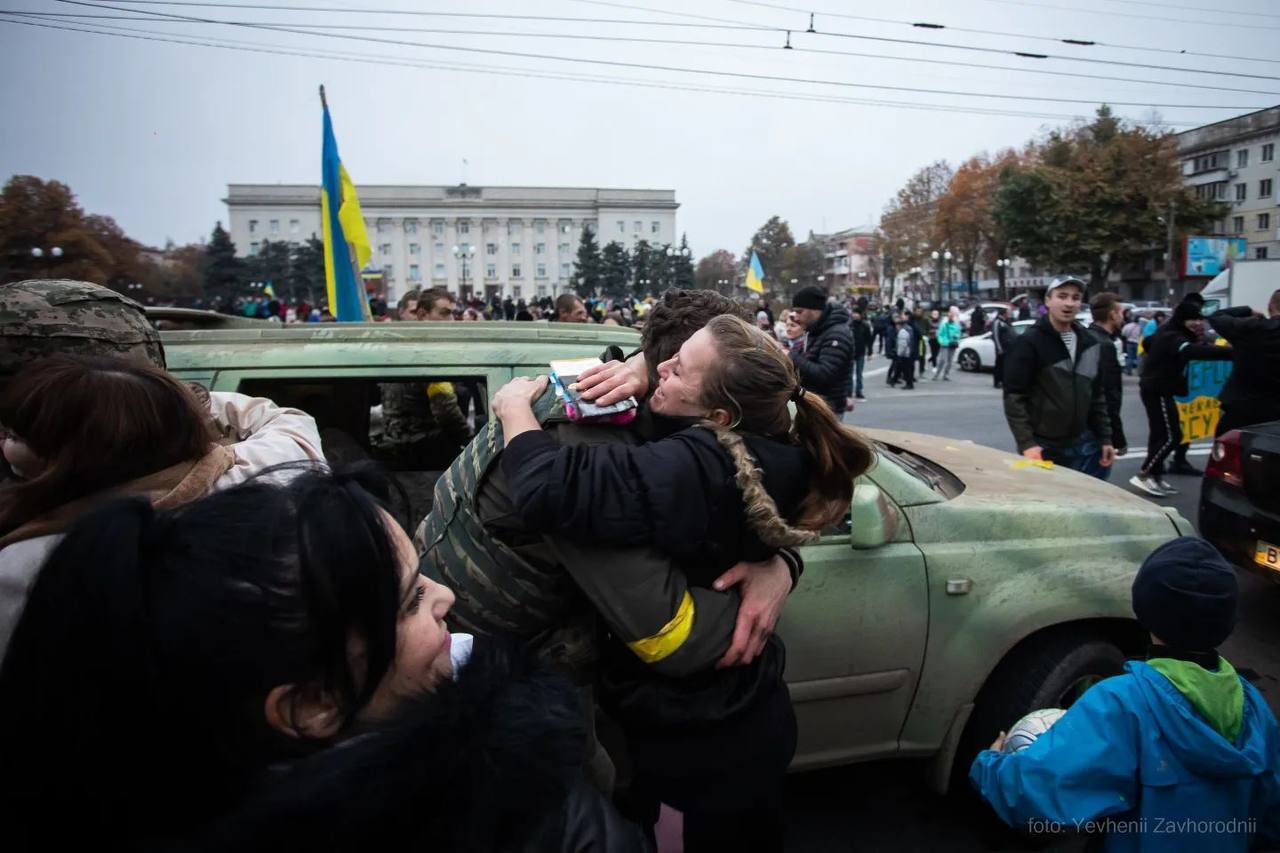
(152, 132)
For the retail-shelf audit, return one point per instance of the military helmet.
(41, 317)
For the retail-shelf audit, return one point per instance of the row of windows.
(1268, 154)
(490, 248)
(1219, 190)
(1264, 190)
(1237, 223)
(464, 227)
(274, 226)
(1219, 159)
(654, 227)
(490, 271)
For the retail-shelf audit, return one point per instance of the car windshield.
(925, 470)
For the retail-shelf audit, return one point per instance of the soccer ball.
(1024, 732)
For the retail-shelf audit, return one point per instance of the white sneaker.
(1147, 485)
(1165, 487)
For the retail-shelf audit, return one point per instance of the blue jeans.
(1084, 455)
(1130, 357)
(859, 361)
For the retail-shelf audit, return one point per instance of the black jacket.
(1112, 382)
(828, 358)
(1047, 397)
(1166, 353)
(862, 337)
(1253, 388)
(1001, 335)
(493, 762)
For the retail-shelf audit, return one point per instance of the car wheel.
(1052, 671)
(969, 360)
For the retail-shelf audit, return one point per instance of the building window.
(1268, 152)
(515, 248)
(540, 248)
(439, 249)
(1242, 192)
(1242, 158)
(654, 226)
(637, 226)
(564, 247)
(564, 270)
(515, 291)
(491, 271)
(1222, 191)
(542, 271)
(1264, 221)
(411, 226)
(514, 228)
(1264, 188)
(253, 226)
(622, 227)
(1260, 253)
(464, 227)
(437, 228)
(388, 271)
(253, 248)
(515, 270)
(439, 271)
(1237, 225)
(275, 226)
(491, 248)
(540, 226)
(385, 248)
(415, 249)
(384, 226)
(414, 273)
(293, 226)
(542, 290)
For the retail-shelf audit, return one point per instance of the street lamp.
(463, 253)
(673, 254)
(1003, 267)
(55, 252)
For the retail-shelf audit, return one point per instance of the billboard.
(1208, 256)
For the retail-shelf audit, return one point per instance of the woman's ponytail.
(839, 455)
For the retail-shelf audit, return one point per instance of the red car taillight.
(1224, 461)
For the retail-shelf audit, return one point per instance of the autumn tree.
(908, 226)
(771, 243)
(716, 267)
(966, 224)
(44, 215)
(1094, 196)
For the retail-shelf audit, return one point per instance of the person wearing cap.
(1178, 753)
(1054, 399)
(1162, 378)
(826, 361)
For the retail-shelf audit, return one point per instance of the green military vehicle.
(968, 587)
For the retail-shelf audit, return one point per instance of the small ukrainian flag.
(755, 274)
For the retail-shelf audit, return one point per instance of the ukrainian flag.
(755, 274)
(346, 242)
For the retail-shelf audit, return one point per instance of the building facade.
(519, 242)
(1234, 161)
(851, 261)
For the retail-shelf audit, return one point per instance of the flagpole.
(324, 103)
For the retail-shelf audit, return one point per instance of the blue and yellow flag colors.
(269, 290)
(755, 274)
(346, 242)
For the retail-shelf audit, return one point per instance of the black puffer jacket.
(1254, 384)
(1166, 353)
(827, 359)
(491, 763)
(1112, 382)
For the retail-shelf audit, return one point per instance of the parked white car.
(978, 352)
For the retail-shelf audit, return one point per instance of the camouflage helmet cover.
(42, 317)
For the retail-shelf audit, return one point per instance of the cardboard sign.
(1199, 410)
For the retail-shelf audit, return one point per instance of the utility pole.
(1168, 263)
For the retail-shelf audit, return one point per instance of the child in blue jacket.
(1179, 753)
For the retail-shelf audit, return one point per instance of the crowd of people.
(211, 637)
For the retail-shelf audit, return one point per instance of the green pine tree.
(683, 265)
(615, 272)
(223, 271)
(306, 270)
(587, 268)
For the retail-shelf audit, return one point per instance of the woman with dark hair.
(80, 429)
(254, 668)
(740, 478)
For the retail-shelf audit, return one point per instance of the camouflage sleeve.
(648, 604)
(447, 413)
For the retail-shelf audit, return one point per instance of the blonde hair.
(754, 380)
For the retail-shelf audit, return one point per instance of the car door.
(855, 631)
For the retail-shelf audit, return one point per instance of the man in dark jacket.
(1108, 314)
(1001, 339)
(1053, 395)
(826, 362)
(862, 341)
(1164, 377)
(1252, 392)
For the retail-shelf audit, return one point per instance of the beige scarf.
(172, 487)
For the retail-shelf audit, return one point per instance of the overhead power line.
(702, 22)
(683, 70)
(509, 71)
(1197, 9)
(681, 42)
(1134, 15)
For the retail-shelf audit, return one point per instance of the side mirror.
(873, 518)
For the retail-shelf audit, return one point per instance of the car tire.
(969, 361)
(1051, 671)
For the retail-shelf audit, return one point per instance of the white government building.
(508, 241)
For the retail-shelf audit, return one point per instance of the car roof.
(168, 318)
(314, 345)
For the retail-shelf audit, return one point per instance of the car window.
(923, 469)
(414, 428)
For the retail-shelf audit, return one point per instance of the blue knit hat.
(1185, 594)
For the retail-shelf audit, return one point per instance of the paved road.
(884, 805)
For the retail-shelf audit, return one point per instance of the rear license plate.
(1267, 556)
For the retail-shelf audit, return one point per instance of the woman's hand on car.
(609, 383)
